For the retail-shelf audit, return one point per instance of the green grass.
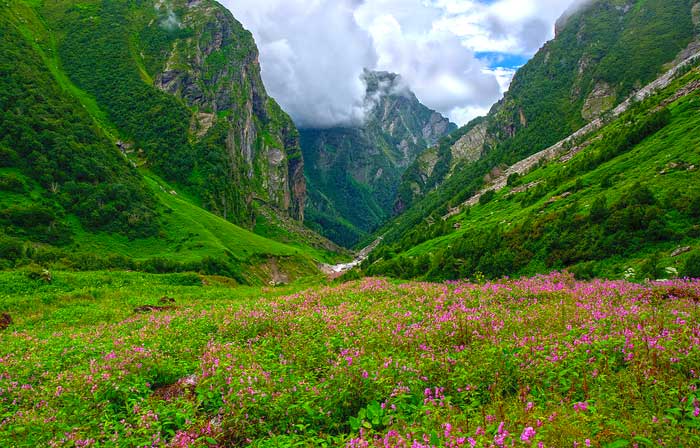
(190, 233)
(367, 363)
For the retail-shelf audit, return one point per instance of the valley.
(185, 264)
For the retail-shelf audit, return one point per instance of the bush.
(694, 207)
(8, 157)
(11, 248)
(12, 183)
(599, 210)
(487, 197)
(691, 268)
(584, 271)
(39, 273)
(513, 179)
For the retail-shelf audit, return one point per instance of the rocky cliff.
(353, 172)
(215, 70)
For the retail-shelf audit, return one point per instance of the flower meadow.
(541, 362)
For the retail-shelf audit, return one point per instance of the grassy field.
(192, 233)
(90, 360)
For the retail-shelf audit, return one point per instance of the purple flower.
(528, 433)
(581, 406)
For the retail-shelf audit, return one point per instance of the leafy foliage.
(48, 137)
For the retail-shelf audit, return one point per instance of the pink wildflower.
(581, 406)
(528, 433)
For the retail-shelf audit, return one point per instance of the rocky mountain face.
(180, 80)
(215, 71)
(602, 52)
(353, 172)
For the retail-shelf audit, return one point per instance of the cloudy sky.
(458, 56)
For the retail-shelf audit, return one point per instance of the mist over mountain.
(353, 172)
(313, 53)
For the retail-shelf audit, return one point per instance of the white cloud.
(503, 75)
(312, 56)
(438, 68)
(313, 51)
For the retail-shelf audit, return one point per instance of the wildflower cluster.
(546, 362)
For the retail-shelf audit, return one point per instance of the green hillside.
(628, 198)
(601, 54)
(72, 198)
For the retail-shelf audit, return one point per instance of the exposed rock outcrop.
(600, 100)
(470, 147)
(216, 72)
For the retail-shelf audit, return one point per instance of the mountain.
(353, 172)
(559, 175)
(134, 131)
(602, 52)
(181, 82)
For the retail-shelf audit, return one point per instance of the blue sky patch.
(508, 60)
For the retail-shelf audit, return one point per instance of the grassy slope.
(604, 42)
(678, 142)
(43, 42)
(188, 232)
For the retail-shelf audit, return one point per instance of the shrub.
(487, 197)
(39, 273)
(691, 268)
(513, 179)
(12, 183)
(11, 248)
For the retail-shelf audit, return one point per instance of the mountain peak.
(353, 173)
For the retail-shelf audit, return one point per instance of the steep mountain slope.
(353, 172)
(181, 82)
(601, 53)
(621, 200)
(106, 153)
(514, 130)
